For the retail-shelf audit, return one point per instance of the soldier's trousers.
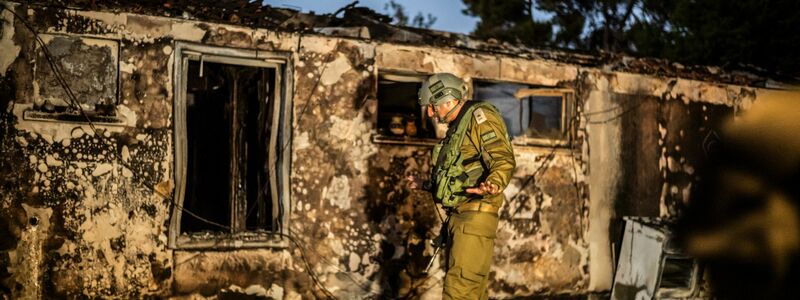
(469, 256)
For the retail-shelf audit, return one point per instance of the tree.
(591, 25)
(707, 32)
(400, 17)
(510, 21)
(763, 33)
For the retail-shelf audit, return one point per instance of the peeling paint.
(334, 70)
(29, 257)
(7, 43)
(338, 192)
(102, 232)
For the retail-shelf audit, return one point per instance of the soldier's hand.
(484, 188)
(414, 182)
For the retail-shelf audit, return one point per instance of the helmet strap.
(450, 113)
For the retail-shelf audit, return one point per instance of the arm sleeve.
(491, 140)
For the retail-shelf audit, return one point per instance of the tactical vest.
(452, 173)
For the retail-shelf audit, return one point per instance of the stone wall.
(84, 209)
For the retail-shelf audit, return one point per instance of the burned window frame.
(567, 112)
(380, 138)
(279, 156)
(104, 114)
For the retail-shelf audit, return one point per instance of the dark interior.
(677, 273)
(400, 99)
(228, 129)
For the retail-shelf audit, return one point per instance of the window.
(677, 273)
(89, 67)
(231, 109)
(532, 115)
(400, 117)
(678, 277)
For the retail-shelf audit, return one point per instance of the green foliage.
(765, 33)
(707, 32)
(510, 21)
(400, 17)
(421, 21)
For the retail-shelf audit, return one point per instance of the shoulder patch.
(480, 116)
(488, 136)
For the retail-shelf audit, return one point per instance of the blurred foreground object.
(743, 220)
(651, 266)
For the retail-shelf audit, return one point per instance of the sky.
(448, 12)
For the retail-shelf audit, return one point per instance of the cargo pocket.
(471, 276)
(479, 239)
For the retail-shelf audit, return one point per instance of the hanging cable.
(73, 101)
(615, 117)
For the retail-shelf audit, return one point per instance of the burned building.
(174, 150)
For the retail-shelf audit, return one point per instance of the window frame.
(279, 144)
(567, 112)
(677, 292)
(36, 114)
(379, 138)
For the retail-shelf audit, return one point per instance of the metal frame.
(646, 245)
(668, 293)
(567, 111)
(279, 144)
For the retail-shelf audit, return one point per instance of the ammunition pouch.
(453, 174)
(451, 185)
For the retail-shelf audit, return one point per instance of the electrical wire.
(545, 164)
(310, 94)
(303, 112)
(363, 285)
(73, 101)
(602, 111)
(610, 119)
(576, 185)
(310, 271)
(548, 159)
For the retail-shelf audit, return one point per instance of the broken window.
(231, 140)
(677, 273)
(532, 115)
(400, 117)
(89, 67)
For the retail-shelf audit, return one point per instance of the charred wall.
(87, 210)
(81, 222)
(639, 169)
(663, 141)
(689, 137)
(646, 136)
(348, 186)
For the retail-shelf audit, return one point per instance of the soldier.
(471, 167)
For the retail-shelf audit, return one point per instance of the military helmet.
(441, 87)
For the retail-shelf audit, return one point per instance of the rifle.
(439, 242)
